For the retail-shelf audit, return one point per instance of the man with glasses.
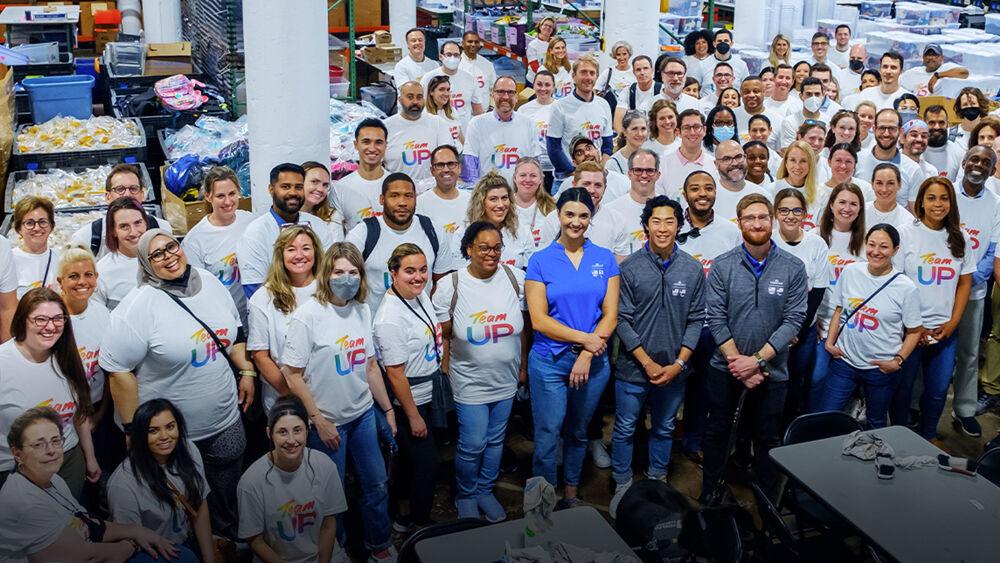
(723, 54)
(886, 149)
(689, 156)
(755, 305)
(287, 187)
(811, 96)
(125, 180)
(820, 51)
(731, 163)
(673, 73)
(446, 205)
(497, 140)
(722, 78)
(643, 172)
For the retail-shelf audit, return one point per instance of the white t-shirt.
(448, 214)
(876, 331)
(256, 246)
(173, 357)
(410, 144)
(532, 219)
(288, 509)
(268, 327)
(357, 198)
(619, 80)
(740, 71)
(783, 107)
(500, 144)
(539, 116)
(321, 337)
(214, 249)
(718, 237)
(675, 167)
(517, 248)
(743, 124)
(376, 267)
(408, 70)
(563, 87)
(402, 336)
(946, 159)
(82, 235)
(607, 230)
(839, 257)
(631, 212)
(916, 78)
(88, 331)
(618, 185)
(910, 173)
(572, 116)
(875, 95)
(482, 72)
(485, 353)
(898, 217)
(925, 258)
(840, 58)
(454, 128)
(8, 275)
(25, 384)
(535, 52)
(813, 252)
(132, 502)
(35, 270)
(726, 200)
(814, 210)
(981, 223)
(683, 102)
(117, 276)
(39, 519)
(641, 96)
(464, 93)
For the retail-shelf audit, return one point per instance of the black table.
(924, 514)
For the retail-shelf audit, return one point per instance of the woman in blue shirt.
(572, 292)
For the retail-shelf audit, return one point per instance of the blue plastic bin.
(60, 95)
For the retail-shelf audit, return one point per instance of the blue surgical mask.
(345, 287)
(907, 115)
(723, 132)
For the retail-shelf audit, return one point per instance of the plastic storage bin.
(51, 96)
(339, 87)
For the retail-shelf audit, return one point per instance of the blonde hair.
(589, 166)
(586, 60)
(278, 282)
(773, 58)
(429, 104)
(338, 250)
(809, 187)
(543, 199)
(492, 180)
(403, 251)
(549, 62)
(866, 104)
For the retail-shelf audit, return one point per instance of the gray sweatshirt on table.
(659, 308)
(754, 310)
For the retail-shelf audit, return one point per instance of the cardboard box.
(379, 54)
(167, 59)
(383, 38)
(367, 13)
(87, 11)
(184, 215)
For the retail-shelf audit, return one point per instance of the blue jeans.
(937, 362)
(663, 404)
(821, 369)
(359, 439)
(844, 380)
(558, 409)
(801, 360)
(481, 431)
(184, 555)
(695, 411)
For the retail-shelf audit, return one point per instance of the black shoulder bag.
(843, 323)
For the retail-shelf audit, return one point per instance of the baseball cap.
(933, 49)
(577, 139)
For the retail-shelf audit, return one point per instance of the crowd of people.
(635, 238)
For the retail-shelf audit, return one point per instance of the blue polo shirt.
(575, 295)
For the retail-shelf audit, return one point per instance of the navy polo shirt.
(575, 296)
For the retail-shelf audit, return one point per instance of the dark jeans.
(416, 466)
(802, 391)
(844, 380)
(109, 447)
(936, 362)
(695, 412)
(222, 455)
(762, 412)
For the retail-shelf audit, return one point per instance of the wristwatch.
(760, 361)
(681, 363)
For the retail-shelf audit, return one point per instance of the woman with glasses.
(662, 123)
(798, 171)
(40, 366)
(125, 222)
(720, 125)
(535, 53)
(211, 244)
(438, 102)
(34, 261)
(43, 522)
(532, 201)
(159, 347)
(634, 135)
(493, 201)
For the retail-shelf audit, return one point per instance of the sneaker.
(620, 490)
(914, 422)
(986, 403)
(492, 509)
(387, 555)
(599, 454)
(402, 524)
(467, 508)
(968, 425)
(567, 503)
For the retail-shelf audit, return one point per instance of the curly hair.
(492, 180)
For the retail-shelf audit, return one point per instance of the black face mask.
(856, 66)
(970, 113)
(722, 48)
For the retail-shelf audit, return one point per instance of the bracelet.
(135, 545)
(900, 358)
(388, 410)
(247, 373)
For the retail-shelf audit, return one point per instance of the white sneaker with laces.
(387, 555)
(620, 490)
(599, 454)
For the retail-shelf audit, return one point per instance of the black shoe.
(566, 503)
(914, 422)
(987, 402)
(742, 457)
(968, 425)
(402, 524)
(508, 461)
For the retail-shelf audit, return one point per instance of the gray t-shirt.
(132, 502)
(288, 508)
(31, 519)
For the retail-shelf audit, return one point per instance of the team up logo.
(229, 271)
(537, 235)
(488, 327)
(352, 354)
(204, 349)
(562, 90)
(973, 236)
(457, 100)
(934, 270)
(450, 228)
(543, 130)
(456, 132)
(415, 154)
(431, 354)
(837, 265)
(89, 359)
(294, 519)
(865, 319)
(706, 263)
(64, 410)
(809, 221)
(504, 157)
(590, 130)
(368, 212)
(638, 235)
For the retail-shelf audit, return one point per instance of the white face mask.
(812, 104)
(451, 63)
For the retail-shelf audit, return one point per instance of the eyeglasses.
(692, 127)
(160, 255)
(751, 219)
(303, 224)
(673, 73)
(122, 190)
(731, 159)
(796, 211)
(812, 122)
(821, 43)
(443, 165)
(887, 128)
(41, 321)
(485, 249)
(45, 445)
(40, 223)
(644, 171)
(505, 92)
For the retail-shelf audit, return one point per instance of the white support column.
(161, 19)
(287, 83)
(635, 21)
(402, 18)
(750, 23)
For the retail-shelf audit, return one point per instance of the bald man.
(413, 135)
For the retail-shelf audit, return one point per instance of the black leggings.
(222, 455)
(416, 465)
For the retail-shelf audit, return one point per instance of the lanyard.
(428, 322)
(48, 265)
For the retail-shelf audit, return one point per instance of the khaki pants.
(989, 375)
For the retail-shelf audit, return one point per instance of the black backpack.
(374, 230)
(609, 94)
(97, 232)
(634, 89)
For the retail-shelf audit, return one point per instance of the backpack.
(634, 89)
(178, 92)
(454, 287)
(608, 94)
(97, 232)
(374, 230)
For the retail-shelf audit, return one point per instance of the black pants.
(109, 448)
(416, 466)
(222, 455)
(762, 411)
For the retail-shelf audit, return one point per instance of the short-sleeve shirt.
(256, 247)
(357, 198)
(8, 275)
(402, 336)
(89, 328)
(981, 223)
(718, 237)
(607, 230)
(500, 144)
(926, 259)
(838, 257)
(35, 270)
(575, 295)
(117, 276)
(448, 214)
(813, 251)
(287, 508)
(409, 145)
(517, 247)
(464, 93)
(214, 249)
(571, 116)
(539, 116)
(39, 519)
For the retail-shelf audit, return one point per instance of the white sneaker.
(599, 454)
(387, 555)
(620, 490)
